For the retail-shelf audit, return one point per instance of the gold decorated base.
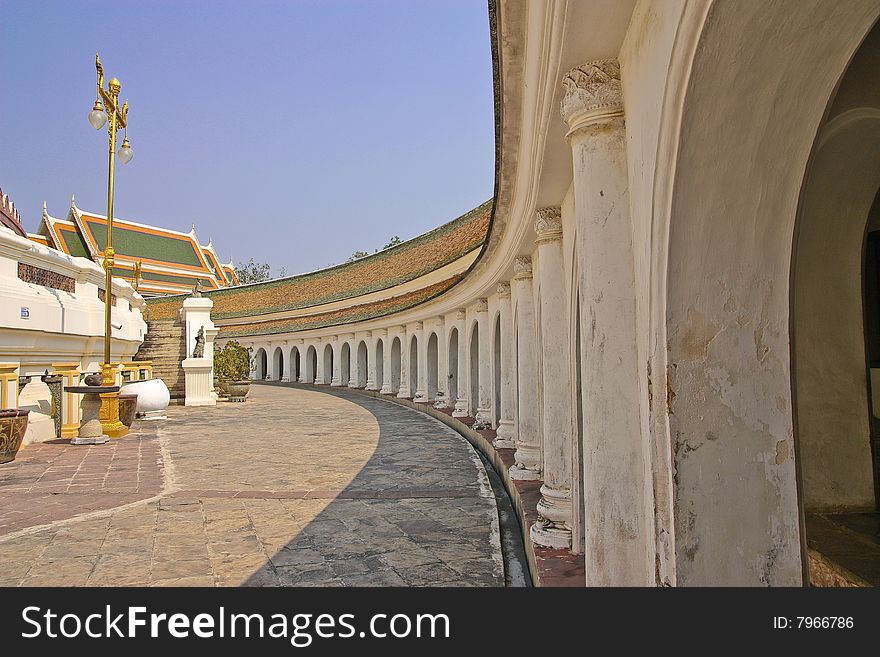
(110, 422)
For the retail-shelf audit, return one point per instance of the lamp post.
(107, 107)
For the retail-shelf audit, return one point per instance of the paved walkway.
(295, 487)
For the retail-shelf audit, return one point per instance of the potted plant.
(232, 367)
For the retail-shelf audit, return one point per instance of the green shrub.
(233, 362)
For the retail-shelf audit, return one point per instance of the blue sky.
(293, 132)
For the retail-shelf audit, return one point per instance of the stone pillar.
(302, 349)
(271, 374)
(371, 361)
(442, 399)
(319, 361)
(198, 382)
(285, 358)
(336, 345)
(484, 384)
(403, 392)
(618, 526)
(506, 432)
(70, 401)
(385, 384)
(8, 385)
(353, 363)
(421, 385)
(527, 458)
(195, 315)
(553, 528)
(461, 403)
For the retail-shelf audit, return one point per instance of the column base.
(336, 384)
(110, 423)
(551, 535)
(285, 379)
(505, 435)
(93, 440)
(421, 398)
(440, 401)
(386, 390)
(461, 408)
(69, 430)
(483, 420)
(403, 394)
(519, 473)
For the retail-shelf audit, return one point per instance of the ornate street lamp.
(107, 107)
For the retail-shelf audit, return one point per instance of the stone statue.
(197, 289)
(199, 351)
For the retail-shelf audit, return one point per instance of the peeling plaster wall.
(758, 88)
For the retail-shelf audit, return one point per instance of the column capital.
(482, 305)
(461, 313)
(379, 333)
(441, 321)
(503, 290)
(548, 223)
(593, 93)
(419, 325)
(522, 267)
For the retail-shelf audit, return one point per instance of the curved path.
(295, 487)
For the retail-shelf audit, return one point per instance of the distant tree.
(357, 255)
(252, 272)
(394, 241)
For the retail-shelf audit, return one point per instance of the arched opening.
(261, 364)
(835, 324)
(380, 364)
(725, 429)
(294, 364)
(278, 364)
(453, 366)
(474, 369)
(328, 364)
(362, 363)
(395, 366)
(432, 366)
(496, 371)
(311, 364)
(413, 382)
(345, 364)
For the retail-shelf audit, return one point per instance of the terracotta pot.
(13, 424)
(238, 390)
(127, 408)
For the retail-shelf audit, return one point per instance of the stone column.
(421, 392)
(618, 525)
(303, 351)
(8, 385)
(553, 528)
(371, 361)
(271, 374)
(353, 373)
(404, 363)
(506, 432)
(461, 403)
(442, 400)
(336, 346)
(70, 401)
(484, 384)
(527, 458)
(285, 358)
(386, 364)
(320, 374)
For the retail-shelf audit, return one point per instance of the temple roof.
(171, 261)
(376, 275)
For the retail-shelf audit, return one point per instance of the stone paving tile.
(294, 488)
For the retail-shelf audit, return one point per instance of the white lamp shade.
(97, 117)
(125, 153)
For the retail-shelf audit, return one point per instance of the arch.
(395, 365)
(452, 358)
(413, 381)
(311, 363)
(474, 369)
(363, 362)
(496, 370)
(345, 364)
(294, 364)
(328, 363)
(261, 364)
(278, 364)
(722, 328)
(432, 366)
(380, 364)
